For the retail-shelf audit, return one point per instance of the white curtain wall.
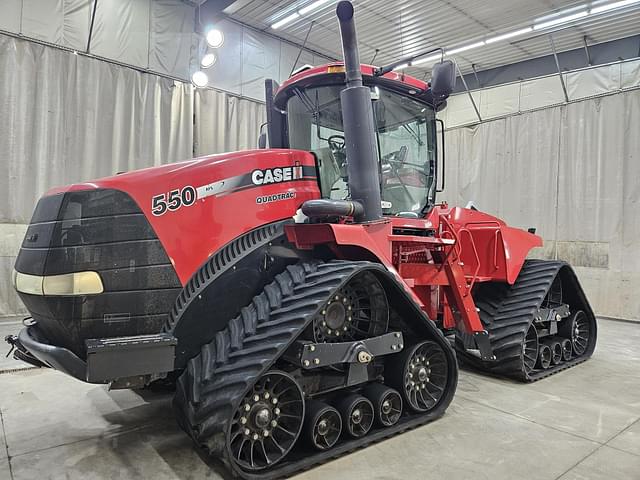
(571, 171)
(225, 122)
(69, 118)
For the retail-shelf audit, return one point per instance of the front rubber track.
(214, 383)
(507, 311)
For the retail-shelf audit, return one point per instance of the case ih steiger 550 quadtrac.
(306, 299)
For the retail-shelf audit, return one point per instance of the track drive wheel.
(357, 311)
(387, 403)
(267, 422)
(357, 415)
(419, 372)
(323, 425)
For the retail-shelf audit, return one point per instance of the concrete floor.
(580, 424)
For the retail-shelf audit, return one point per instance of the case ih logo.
(276, 175)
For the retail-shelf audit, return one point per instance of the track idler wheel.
(544, 356)
(556, 350)
(387, 403)
(357, 415)
(322, 426)
(267, 423)
(577, 329)
(567, 349)
(419, 372)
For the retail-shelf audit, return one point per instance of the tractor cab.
(305, 113)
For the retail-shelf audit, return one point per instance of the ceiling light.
(505, 36)
(312, 6)
(285, 20)
(431, 58)
(215, 38)
(200, 79)
(464, 48)
(298, 13)
(558, 21)
(208, 60)
(611, 6)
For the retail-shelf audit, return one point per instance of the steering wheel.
(336, 143)
(398, 159)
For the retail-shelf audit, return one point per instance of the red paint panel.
(190, 234)
(501, 250)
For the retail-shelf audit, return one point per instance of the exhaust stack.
(359, 128)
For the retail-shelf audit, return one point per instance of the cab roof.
(333, 73)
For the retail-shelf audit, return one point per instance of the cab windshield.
(405, 130)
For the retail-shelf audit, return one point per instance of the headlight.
(31, 284)
(68, 284)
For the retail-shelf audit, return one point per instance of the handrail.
(475, 252)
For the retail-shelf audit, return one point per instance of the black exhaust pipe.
(359, 128)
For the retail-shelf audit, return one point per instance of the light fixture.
(311, 7)
(612, 6)
(505, 36)
(560, 20)
(208, 60)
(285, 20)
(200, 79)
(215, 38)
(298, 13)
(464, 48)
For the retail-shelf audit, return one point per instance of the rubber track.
(507, 311)
(215, 382)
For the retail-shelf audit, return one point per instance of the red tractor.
(305, 299)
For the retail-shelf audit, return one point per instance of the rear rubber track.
(507, 311)
(215, 382)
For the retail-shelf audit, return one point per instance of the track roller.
(322, 426)
(567, 349)
(544, 356)
(387, 403)
(420, 374)
(556, 350)
(357, 415)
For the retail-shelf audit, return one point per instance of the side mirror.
(443, 79)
